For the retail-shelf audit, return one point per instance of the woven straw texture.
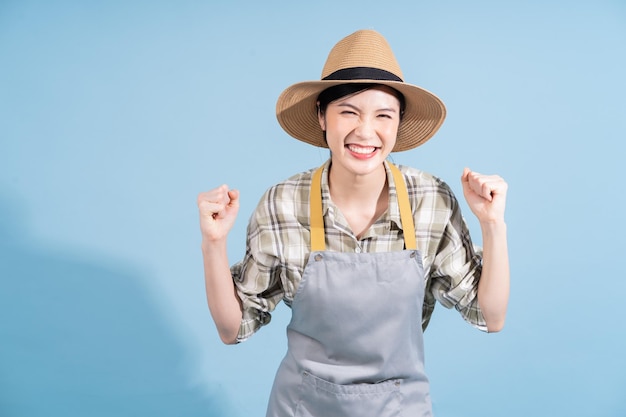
(296, 106)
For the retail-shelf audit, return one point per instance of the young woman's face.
(361, 129)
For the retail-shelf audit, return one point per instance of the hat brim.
(296, 111)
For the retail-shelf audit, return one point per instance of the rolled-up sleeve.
(257, 276)
(456, 270)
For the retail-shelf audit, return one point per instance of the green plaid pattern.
(277, 247)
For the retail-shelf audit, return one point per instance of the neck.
(361, 198)
(346, 185)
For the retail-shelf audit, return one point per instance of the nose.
(365, 128)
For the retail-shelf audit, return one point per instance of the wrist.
(493, 226)
(212, 245)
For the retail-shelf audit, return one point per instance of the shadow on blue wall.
(84, 339)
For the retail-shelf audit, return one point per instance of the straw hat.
(362, 57)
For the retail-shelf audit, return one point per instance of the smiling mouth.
(362, 150)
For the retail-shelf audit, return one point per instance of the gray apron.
(355, 345)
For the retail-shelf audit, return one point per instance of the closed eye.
(389, 116)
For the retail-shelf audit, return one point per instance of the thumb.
(233, 195)
(465, 180)
(465, 175)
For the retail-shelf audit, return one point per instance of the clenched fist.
(485, 195)
(218, 209)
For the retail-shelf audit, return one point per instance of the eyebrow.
(352, 106)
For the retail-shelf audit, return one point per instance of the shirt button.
(357, 250)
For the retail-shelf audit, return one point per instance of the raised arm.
(486, 197)
(218, 209)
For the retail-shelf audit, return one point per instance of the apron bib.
(355, 343)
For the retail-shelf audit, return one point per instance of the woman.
(359, 249)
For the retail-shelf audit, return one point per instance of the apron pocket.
(319, 397)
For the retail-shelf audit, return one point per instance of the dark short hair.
(342, 90)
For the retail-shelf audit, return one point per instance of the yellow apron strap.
(318, 242)
(406, 216)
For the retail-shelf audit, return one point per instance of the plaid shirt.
(278, 245)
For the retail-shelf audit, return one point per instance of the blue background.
(115, 115)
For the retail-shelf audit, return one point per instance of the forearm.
(224, 303)
(493, 289)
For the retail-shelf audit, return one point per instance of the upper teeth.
(361, 149)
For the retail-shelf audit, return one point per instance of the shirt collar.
(392, 215)
(393, 211)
